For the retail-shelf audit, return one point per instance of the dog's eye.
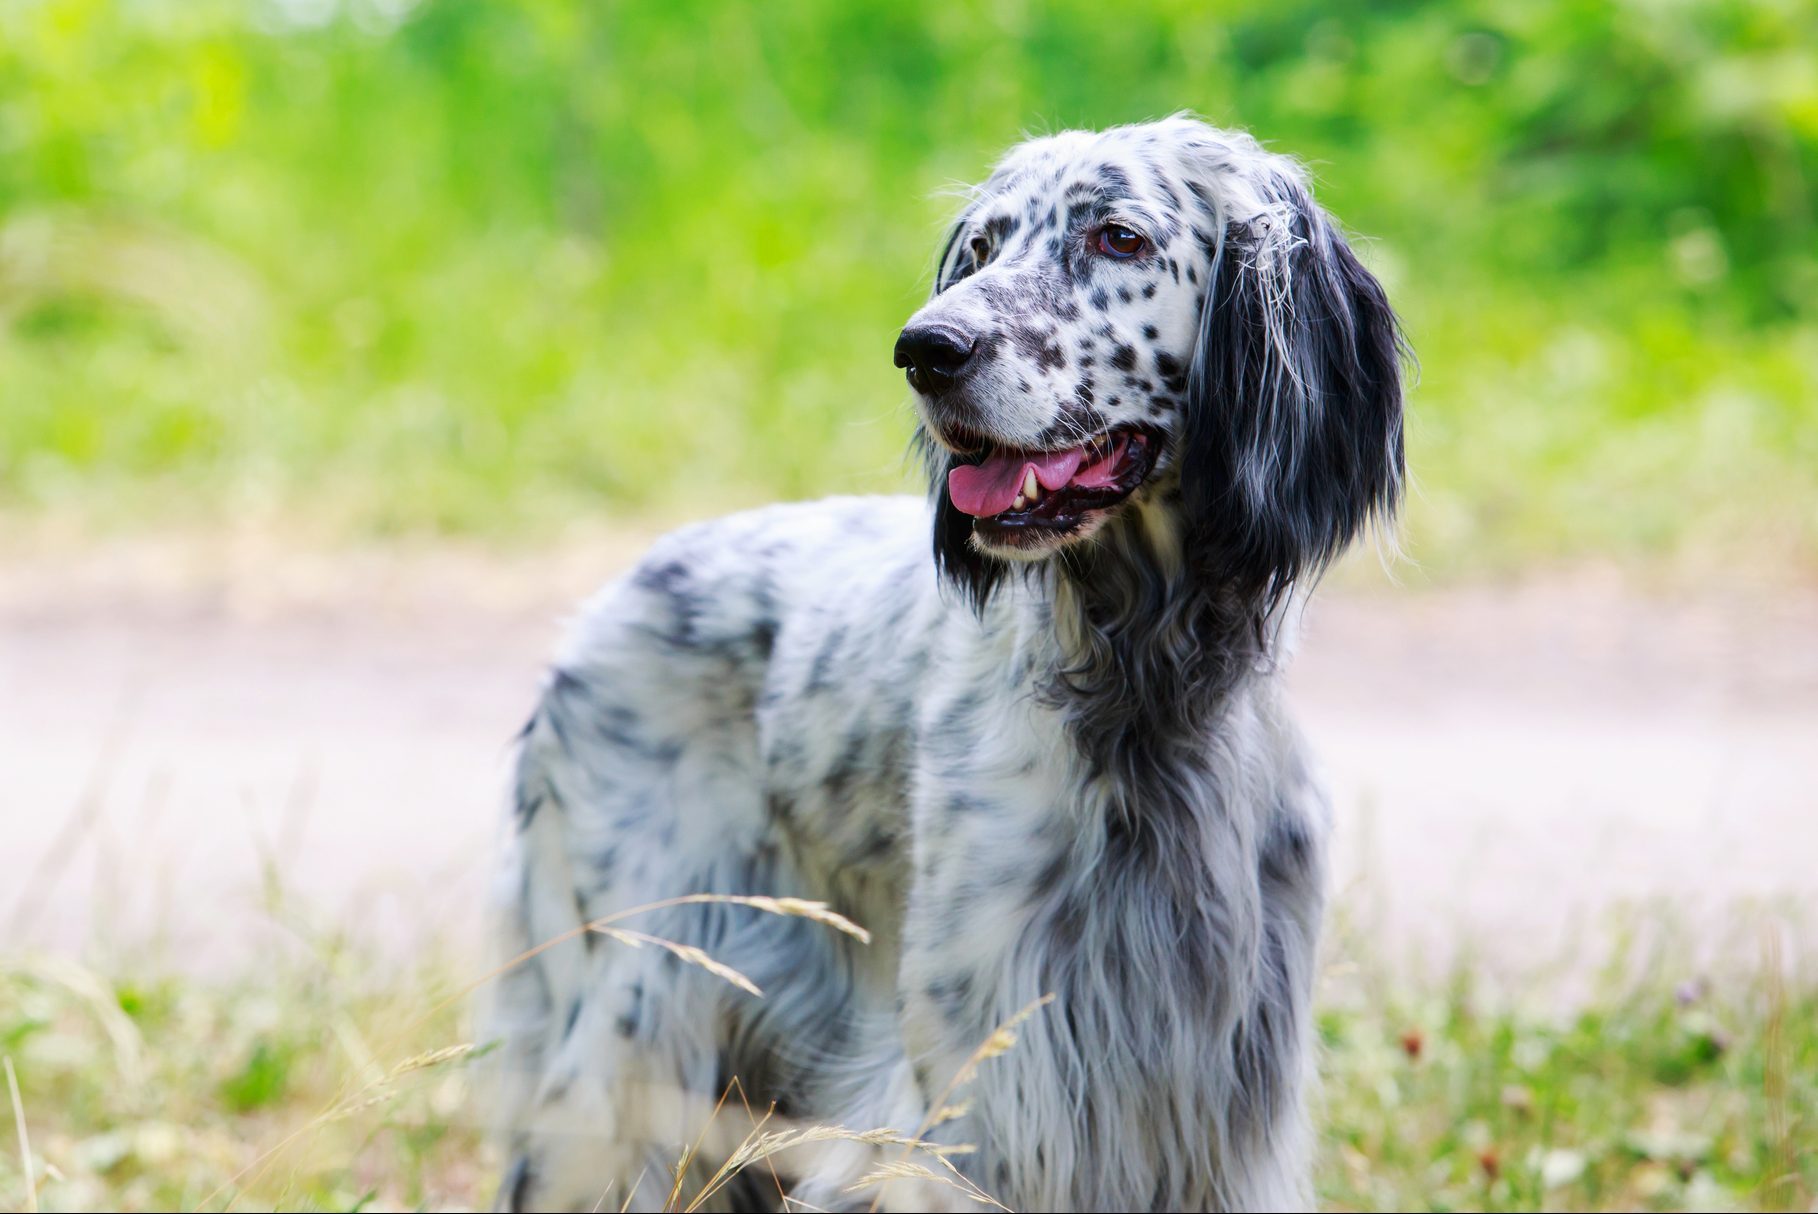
(981, 252)
(1121, 243)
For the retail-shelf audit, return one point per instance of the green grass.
(1673, 1093)
(322, 1079)
(484, 268)
(272, 1090)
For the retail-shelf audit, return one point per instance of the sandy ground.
(192, 736)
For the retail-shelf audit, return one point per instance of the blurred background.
(345, 343)
(454, 267)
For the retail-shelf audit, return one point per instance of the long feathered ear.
(972, 572)
(946, 271)
(1293, 441)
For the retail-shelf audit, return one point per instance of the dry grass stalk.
(761, 1146)
(380, 1090)
(903, 1169)
(373, 1094)
(688, 1157)
(377, 1092)
(687, 952)
(97, 996)
(949, 1112)
(25, 1141)
(797, 908)
(1001, 1040)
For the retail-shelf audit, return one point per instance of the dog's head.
(1154, 324)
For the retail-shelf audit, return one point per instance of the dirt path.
(1508, 765)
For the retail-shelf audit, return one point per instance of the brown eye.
(1118, 242)
(981, 252)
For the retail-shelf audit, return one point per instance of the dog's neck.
(1129, 635)
(1147, 650)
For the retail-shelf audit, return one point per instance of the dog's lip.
(1064, 509)
(959, 440)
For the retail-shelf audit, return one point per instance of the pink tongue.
(1104, 472)
(982, 490)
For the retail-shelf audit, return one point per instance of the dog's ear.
(1293, 441)
(951, 266)
(973, 573)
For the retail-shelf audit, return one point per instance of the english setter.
(1045, 754)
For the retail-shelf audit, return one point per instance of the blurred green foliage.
(485, 266)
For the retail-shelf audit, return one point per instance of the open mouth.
(1017, 495)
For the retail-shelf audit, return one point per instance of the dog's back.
(707, 729)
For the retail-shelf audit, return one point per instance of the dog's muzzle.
(934, 356)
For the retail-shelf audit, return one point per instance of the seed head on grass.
(903, 1169)
(687, 952)
(1001, 1040)
(760, 1145)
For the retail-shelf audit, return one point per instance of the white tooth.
(1019, 503)
(1031, 488)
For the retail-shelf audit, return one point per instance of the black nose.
(934, 355)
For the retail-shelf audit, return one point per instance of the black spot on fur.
(1113, 182)
(877, 846)
(820, 674)
(668, 577)
(950, 993)
(846, 767)
(1075, 417)
(515, 1188)
(1038, 346)
(670, 580)
(1287, 854)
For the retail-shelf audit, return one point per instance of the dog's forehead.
(1139, 172)
(1135, 161)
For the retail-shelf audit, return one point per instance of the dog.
(1028, 731)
